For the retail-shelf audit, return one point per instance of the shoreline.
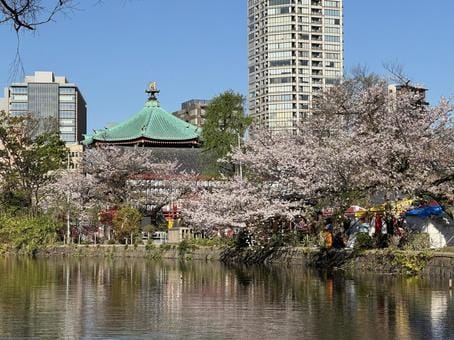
(377, 261)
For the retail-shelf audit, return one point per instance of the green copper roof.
(151, 123)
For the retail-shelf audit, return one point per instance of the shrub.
(363, 241)
(415, 241)
(210, 242)
(183, 247)
(126, 222)
(150, 246)
(310, 240)
(410, 263)
(28, 233)
(165, 246)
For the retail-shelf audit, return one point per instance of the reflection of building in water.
(438, 313)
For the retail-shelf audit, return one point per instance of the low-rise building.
(193, 111)
(418, 91)
(75, 154)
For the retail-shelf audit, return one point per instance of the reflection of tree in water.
(81, 297)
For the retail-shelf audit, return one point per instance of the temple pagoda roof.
(150, 126)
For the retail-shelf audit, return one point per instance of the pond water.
(137, 298)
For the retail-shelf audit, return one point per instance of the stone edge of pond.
(386, 261)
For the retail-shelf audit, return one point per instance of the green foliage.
(150, 246)
(26, 233)
(411, 263)
(149, 228)
(165, 246)
(363, 241)
(183, 247)
(224, 122)
(31, 151)
(126, 222)
(211, 242)
(415, 241)
(310, 240)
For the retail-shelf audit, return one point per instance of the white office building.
(45, 95)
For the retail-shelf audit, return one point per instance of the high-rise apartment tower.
(45, 95)
(295, 52)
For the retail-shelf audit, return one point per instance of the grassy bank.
(395, 262)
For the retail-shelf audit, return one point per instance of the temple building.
(167, 137)
(150, 127)
(163, 137)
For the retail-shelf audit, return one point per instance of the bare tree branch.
(397, 73)
(29, 14)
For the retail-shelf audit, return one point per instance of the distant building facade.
(193, 111)
(45, 95)
(4, 102)
(419, 92)
(75, 155)
(295, 52)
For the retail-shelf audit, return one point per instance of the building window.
(67, 106)
(277, 37)
(281, 98)
(279, 2)
(280, 20)
(280, 28)
(332, 12)
(67, 90)
(280, 63)
(19, 97)
(71, 122)
(19, 106)
(279, 10)
(331, 21)
(67, 98)
(66, 129)
(68, 137)
(67, 114)
(331, 81)
(280, 71)
(19, 90)
(332, 55)
(332, 3)
(280, 80)
(332, 38)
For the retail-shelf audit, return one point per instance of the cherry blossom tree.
(112, 167)
(360, 140)
(112, 177)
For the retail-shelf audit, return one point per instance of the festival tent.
(431, 219)
(355, 211)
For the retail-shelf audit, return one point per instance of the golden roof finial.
(152, 90)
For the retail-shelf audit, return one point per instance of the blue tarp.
(425, 211)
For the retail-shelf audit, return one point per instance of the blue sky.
(198, 48)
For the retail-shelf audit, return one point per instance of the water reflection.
(140, 298)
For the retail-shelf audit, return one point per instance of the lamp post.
(241, 166)
(68, 227)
